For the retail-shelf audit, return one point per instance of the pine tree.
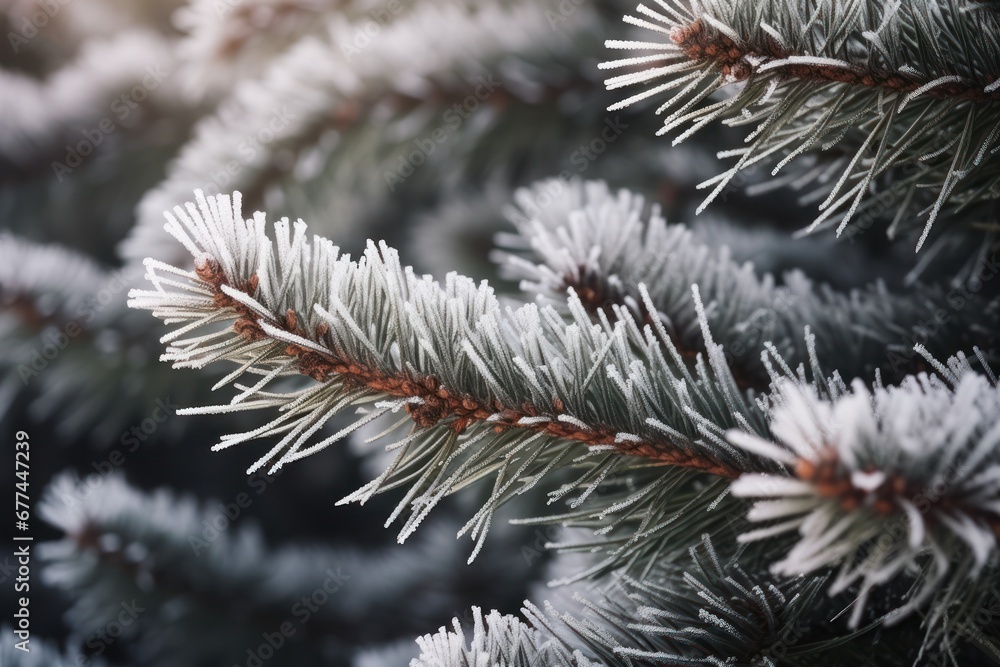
(768, 436)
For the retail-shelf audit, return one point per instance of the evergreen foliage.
(731, 429)
(906, 90)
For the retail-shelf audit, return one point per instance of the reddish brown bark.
(439, 403)
(700, 42)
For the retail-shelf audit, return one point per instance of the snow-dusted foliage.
(893, 482)
(497, 639)
(40, 116)
(754, 618)
(515, 392)
(608, 248)
(884, 83)
(286, 139)
(207, 570)
(57, 283)
(661, 620)
(500, 402)
(69, 339)
(227, 42)
(714, 442)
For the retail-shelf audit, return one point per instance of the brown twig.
(701, 43)
(832, 480)
(439, 403)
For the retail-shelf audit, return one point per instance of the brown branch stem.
(740, 61)
(439, 403)
(831, 480)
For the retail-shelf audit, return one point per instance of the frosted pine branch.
(338, 114)
(897, 83)
(604, 245)
(39, 115)
(45, 285)
(513, 393)
(215, 578)
(224, 44)
(897, 483)
(709, 611)
(300, 307)
(706, 611)
(70, 343)
(496, 639)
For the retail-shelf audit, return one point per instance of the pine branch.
(70, 345)
(426, 400)
(40, 116)
(45, 285)
(701, 41)
(709, 611)
(603, 246)
(516, 394)
(909, 89)
(887, 483)
(95, 207)
(222, 588)
(496, 639)
(160, 554)
(74, 27)
(69, 340)
(225, 44)
(339, 136)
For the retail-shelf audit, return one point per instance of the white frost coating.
(803, 60)
(454, 333)
(296, 92)
(496, 639)
(38, 115)
(758, 88)
(921, 455)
